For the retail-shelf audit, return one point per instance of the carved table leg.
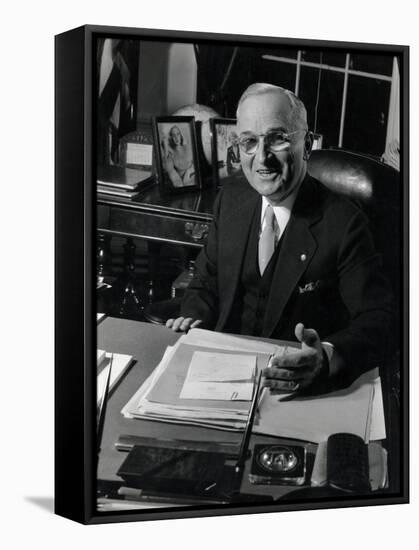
(131, 305)
(103, 256)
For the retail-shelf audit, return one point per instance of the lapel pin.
(303, 257)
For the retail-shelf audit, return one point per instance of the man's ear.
(308, 145)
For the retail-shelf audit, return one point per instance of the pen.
(247, 432)
(269, 365)
(138, 495)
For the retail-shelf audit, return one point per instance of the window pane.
(329, 57)
(370, 63)
(334, 59)
(278, 73)
(366, 115)
(329, 104)
(311, 55)
(291, 53)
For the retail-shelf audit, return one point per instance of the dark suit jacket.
(328, 274)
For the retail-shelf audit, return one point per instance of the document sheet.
(220, 376)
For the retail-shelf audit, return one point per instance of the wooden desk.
(178, 219)
(147, 343)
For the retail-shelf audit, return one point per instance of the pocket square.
(309, 287)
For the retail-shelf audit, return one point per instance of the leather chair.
(376, 188)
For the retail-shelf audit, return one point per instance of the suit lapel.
(297, 250)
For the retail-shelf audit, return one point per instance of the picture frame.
(225, 150)
(136, 149)
(86, 456)
(177, 163)
(317, 141)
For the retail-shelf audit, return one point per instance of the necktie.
(267, 239)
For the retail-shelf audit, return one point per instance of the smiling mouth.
(265, 173)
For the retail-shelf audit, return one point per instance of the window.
(342, 92)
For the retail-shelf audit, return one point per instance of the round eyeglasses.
(275, 141)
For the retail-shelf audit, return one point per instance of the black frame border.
(75, 319)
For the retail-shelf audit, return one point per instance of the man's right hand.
(182, 324)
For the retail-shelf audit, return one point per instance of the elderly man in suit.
(286, 257)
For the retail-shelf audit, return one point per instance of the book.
(120, 177)
(117, 192)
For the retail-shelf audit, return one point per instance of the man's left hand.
(297, 371)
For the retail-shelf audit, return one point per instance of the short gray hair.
(298, 113)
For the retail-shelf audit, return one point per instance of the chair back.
(376, 188)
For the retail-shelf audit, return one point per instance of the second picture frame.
(225, 150)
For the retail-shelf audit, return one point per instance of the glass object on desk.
(278, 459)
(280, 464)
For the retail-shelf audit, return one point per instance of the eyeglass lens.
(275, 141)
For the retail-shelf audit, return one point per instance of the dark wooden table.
(182, 219)
(178, 219)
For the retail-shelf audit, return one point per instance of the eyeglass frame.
(286, 135)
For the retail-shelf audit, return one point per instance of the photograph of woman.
(177, 154)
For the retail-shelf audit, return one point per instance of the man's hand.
(182, 324)
(289, 373)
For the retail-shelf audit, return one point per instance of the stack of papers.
(357, 409)
(119, 365)
(207, 379)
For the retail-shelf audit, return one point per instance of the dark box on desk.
(185, 472)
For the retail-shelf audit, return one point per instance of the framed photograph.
(279, 381)
(225, 150)
(177, 154)
(317, 141)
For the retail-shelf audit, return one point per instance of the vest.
(248, 312)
